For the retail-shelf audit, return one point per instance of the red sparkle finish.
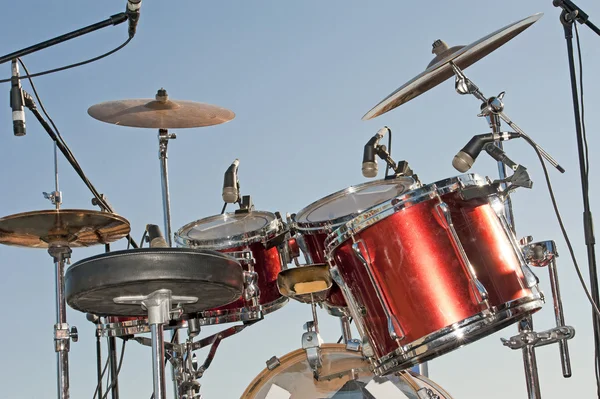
(420, 275)
(267, 266)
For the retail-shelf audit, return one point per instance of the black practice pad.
(92, 284)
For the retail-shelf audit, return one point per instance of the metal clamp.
(251, 289)
(311, 343)
(63, 336)
(478, 291)
(393, 325)
(535, 339)
(353, 345)
(273, 363)
(538, 254)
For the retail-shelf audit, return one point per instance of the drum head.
(344, 205)
(228, 230)
(293, 379)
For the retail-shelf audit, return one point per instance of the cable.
(224, 207)
(586, 181)
(100, 382)
(115, 377)
(70, 157)
(561, 224)
(63, 68)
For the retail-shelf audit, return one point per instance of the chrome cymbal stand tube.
(163, 141)
(527, 339)
(158, 305)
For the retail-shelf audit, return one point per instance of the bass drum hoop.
(299, 354)
(262, 235)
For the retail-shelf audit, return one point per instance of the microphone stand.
(572, 13)
(527, 339)
(112, 20)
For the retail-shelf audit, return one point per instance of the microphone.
(499, 155)
(369, 165)
(155, 237)
(133, 15)
(230, 183)
(17, 101)
(465, 158)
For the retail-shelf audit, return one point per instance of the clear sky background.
(299, 77)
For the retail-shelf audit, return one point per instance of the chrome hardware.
(251, 290)
(273, 363)
(311, 343)
(478, 291)
(535, 339)
(367, 348)
(55, 197)
(346, 331)
(244, 257)
(540, 254)
(353, 345)
(526, 240)
(427, 393)
(394, 329)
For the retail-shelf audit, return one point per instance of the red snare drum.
(247, 237)
(320, 218)
(428, 272)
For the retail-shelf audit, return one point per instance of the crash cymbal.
(160, 113)
(70, 227)
(439, 69)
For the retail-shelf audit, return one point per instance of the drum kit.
(419, 269)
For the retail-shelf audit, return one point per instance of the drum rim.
(132, 327)
(250, 313)
(390, 207)
(327, 226)
(264, 234)
(483, 324)
(260, 380)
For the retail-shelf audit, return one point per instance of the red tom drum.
(248, 237)
(429, 271)
(317, 220)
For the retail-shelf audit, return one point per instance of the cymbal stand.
(159, 307)
(527, 339)
(163, 141)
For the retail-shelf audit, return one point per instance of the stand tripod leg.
(114, 372)
(158, 358)
(565, 359)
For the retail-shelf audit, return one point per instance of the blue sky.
(299, 78)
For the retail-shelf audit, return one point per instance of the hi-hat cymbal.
(439, 69)
(70, 227)
(160, 113)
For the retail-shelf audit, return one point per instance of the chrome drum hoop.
(388, 208)
(444, 341)
(262, 235)
(250, 313)
(133, 327)
(330, 225)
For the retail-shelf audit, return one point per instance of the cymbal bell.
(69, 227)
(439, 69)
(160, 113)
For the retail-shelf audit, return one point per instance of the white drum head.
(227, 230)
(293, 379)
(344, 205)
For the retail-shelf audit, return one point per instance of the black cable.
(561, 224)
(586, 180)
(101, 377)
(224, 207)
(115, 377)
(69, 155)
(49, 71)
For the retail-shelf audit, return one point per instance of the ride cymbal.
(439, 69)
(71, 227)
(160, 113)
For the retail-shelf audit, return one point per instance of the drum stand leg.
(62, 333)
(114, 373)
(163, 140)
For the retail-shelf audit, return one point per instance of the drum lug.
(426, 393)
(478, 291)
(353, 345)
(394, 329)
(251, 289)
